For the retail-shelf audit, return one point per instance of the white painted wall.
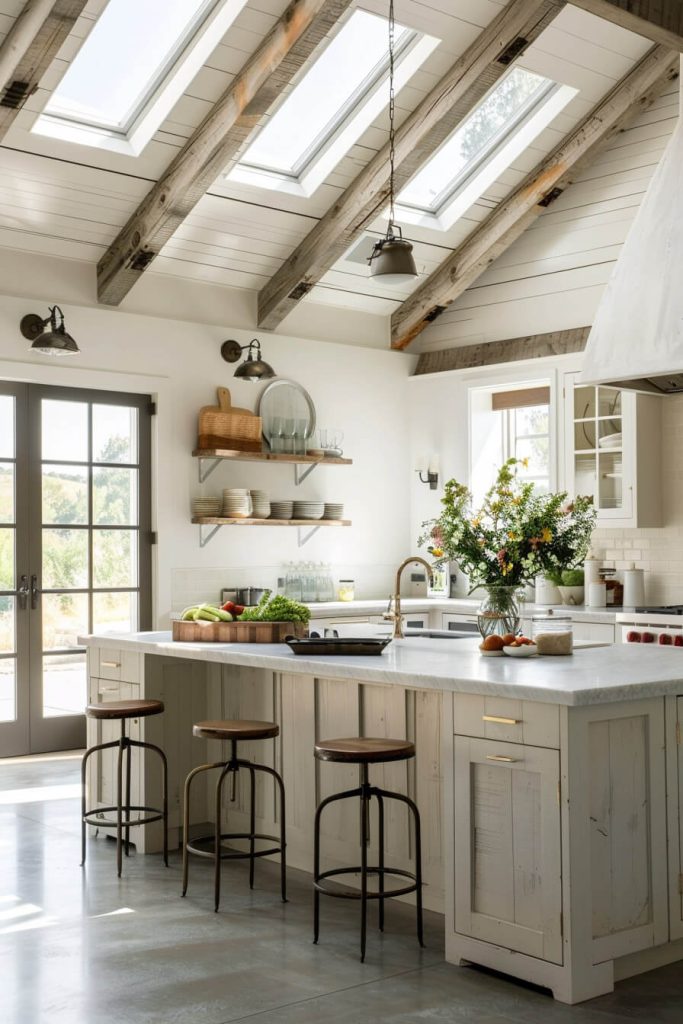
(362, 391)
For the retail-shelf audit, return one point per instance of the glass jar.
(552, 632)
(347, 590)
(498, 613)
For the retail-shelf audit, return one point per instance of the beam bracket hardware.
(204, 538)
(303, 536)
(204, 474)
(141, 259)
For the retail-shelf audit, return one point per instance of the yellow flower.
(512, 535)
(476, 523)
(525, 463)
(546, 535)
(437, 552)
(507, 568)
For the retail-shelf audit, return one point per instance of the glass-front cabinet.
(612, 451)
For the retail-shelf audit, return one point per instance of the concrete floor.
(85, 948)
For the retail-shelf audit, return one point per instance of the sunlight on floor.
(40, 794)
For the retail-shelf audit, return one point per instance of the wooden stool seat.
(235, 729)
(364, 750)
(115, 710)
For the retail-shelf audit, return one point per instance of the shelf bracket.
(204, 474)
(204, 538)
(300, 475)
(303, 535)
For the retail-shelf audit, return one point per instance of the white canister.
(634, 587)
(597, 595)
(547, 592)
(591, 571)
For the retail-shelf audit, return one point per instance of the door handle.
(34, 592)
(22, 592)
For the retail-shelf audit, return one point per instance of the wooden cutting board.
(228, 426)
(236, 632)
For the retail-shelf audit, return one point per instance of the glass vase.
(499, 611)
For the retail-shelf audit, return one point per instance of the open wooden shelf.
(220, 521)
(216, 455)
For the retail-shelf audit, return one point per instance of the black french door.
(75, 550)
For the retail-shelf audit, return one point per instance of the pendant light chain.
(392, 110)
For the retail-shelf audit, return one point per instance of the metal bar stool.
(121, 710)
(233, 731)
(364, 752)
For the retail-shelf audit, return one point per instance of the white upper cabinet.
(612, 452)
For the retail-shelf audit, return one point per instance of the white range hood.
(637, 336)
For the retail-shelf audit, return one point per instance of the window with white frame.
(506, 424)
(132, 68)
(332, 104)
(501, 127)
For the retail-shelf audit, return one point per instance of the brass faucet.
(396, 616)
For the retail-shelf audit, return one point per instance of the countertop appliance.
(653, 624)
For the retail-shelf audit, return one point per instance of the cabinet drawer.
(501, 718)
(114, 663)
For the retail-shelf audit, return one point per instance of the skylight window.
(332, 104)
(520, 106)
(137, 60)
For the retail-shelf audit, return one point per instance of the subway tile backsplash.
(659, 551)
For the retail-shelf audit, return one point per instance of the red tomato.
(648, 638)
(665, 639)
(678, 640)
(229, 606)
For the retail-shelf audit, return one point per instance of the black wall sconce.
(53, 342)
(432, 471)
(253, 368)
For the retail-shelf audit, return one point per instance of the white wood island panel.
(549, 789)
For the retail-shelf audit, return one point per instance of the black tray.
(337, 645)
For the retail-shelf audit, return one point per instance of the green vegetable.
(218, 612)
(572, 577)
(206, 614)
(276, 609)
(189, 614)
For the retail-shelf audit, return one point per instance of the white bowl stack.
(206, 507)
(236, 503)
(260, 505)
(333, 510)
(281, 509)
(309, 509)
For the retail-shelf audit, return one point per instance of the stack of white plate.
(260, 505)
(309, 509)
(333, 510)
(610, 440)
(206, 506)
(281, 509)
(236, 503)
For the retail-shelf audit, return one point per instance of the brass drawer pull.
(501, 721)
(110, 664)
(501, 757)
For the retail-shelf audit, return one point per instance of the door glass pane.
(6, 427)
(8, 689)
(65, 559)
(6, 492)
(64, 685)
(7, 625)
(7, 559)
(609, 402)
(65, 617)
(114, 433)
(64, 430)
(115, 497)
(115, 613)
(65, 494)
(115, 558)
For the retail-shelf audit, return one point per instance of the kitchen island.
(550, 788)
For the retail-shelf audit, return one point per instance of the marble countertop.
(594, 675)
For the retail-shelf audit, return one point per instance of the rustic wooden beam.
(227, 126)
(658, 20)
(541, 187)
(423, 131)
(29, 48)
(511, 350)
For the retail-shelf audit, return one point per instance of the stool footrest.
(210, 841)
(352, 895)
(90, 817)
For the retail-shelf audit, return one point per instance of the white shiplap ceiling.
(67, 200)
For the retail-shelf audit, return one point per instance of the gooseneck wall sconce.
(52, 342)
(253, 368)
(431, 468)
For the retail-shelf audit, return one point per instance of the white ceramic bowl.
(526, 651)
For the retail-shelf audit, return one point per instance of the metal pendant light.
(392, 256)
(55, 342)
(254, 368)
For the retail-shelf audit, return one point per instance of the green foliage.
(572, 578)
(517, 533)
(276, 609)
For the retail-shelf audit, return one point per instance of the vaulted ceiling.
(531, 253)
